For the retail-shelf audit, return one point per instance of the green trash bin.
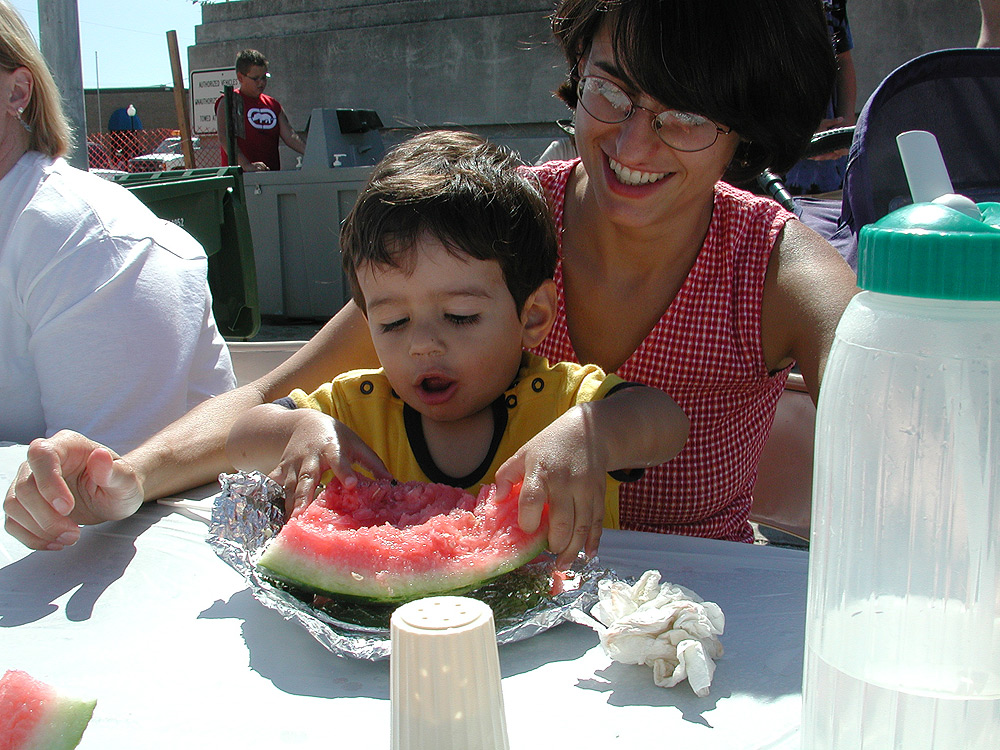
(210, 205)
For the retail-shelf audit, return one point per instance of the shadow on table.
(765, 664)
(30, 586)
(632, 685)
(283, 652)
(565, 642)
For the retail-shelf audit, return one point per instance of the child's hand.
(564, 466)
(295, 447)
(318, 443)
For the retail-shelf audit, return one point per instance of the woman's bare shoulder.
(806, 289)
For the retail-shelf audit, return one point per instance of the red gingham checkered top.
(706, 353)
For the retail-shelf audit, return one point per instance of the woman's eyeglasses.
(606, 101)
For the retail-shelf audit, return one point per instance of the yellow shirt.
(365, 402)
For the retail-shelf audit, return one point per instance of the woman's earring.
(20, 119)
(742, 158)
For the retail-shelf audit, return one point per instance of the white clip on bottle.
(902, 629)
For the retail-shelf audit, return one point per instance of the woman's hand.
(67, 481)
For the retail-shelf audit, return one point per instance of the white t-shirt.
(106, 322)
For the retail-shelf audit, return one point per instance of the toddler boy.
(450, 252)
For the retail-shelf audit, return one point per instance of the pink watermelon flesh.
(392, 542)
(33, 716)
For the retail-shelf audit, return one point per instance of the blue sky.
(129, 38)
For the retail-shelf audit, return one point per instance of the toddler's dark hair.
(465, 192)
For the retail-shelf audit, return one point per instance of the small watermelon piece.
(394, 542)
(33, 716)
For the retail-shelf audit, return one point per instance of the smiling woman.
(674, 97)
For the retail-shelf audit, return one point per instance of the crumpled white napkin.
(667, 627)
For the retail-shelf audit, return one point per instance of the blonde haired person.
(105, 313)
(41, 115)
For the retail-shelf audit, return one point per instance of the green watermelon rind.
(64, 726)
(64, 721)
(295, 567)
(272, 569)
(511, 596)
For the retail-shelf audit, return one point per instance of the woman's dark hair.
(462, 190)
(765, 68)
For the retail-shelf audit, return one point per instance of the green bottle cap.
(931, 250)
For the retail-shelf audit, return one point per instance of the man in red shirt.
(264, 121)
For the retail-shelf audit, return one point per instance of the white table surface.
(142, 615)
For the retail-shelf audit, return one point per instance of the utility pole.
(97, 73)
(59, 39)
(180, 101)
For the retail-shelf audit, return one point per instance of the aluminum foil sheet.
(250, 511)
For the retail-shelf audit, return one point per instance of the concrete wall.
(484, 64)
(488, 65)
(890, 32)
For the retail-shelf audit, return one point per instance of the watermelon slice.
(389, 542)
(33, 716)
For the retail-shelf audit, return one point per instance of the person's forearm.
(222, 131)
(192, 450)
(289, 136)
(989, 28)
(260, 436)
(639, 426)
(296, 143)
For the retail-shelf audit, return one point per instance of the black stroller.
(952, 93)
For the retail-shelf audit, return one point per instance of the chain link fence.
(148, 150)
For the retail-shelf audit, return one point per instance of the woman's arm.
(70, 480)
(806, 289)
(191, 451)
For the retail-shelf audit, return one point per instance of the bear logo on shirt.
(262, 119)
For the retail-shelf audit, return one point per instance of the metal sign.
(206, 88)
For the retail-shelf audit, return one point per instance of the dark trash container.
(210, 205)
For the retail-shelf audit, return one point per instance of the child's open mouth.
(436, 389)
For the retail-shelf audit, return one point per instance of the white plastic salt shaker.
(444, 689)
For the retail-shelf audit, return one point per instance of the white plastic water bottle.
(903, 614)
